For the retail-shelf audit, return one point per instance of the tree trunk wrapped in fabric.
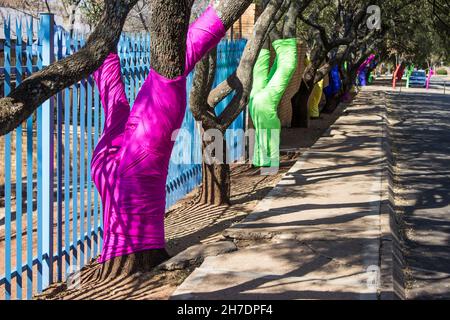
(332, 91)
(268, 90)
(408, 74)
(363, 69)
(130, 163)
(315, 97)
(398, 74)
(430, 74)
(314, 100)
(335, 83)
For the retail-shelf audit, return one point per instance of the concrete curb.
(386, 254)
(397, 262)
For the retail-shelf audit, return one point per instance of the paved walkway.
(420, 139)
(322, 231)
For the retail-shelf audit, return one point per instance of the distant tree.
(330, 26)
(441, 14)
(92, 10)
(67, 9)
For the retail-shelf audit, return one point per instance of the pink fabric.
(366, 63)
(430, 74)
(130, 163)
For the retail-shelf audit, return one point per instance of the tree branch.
(205, 71)
(42, 85)
(228, 86)
(243, 80)
(230, 10)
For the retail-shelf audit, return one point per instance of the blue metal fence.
(50, 211)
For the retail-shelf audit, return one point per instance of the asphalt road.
(420, 143)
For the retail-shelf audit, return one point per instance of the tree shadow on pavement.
(421, 140)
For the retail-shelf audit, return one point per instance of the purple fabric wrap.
(130, 163)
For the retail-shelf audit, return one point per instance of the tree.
(334, 25)
(168, 26)
(216, 172)
(415, 36)
(335, 30)
(71, 9)
(92, 11)
(441, 14)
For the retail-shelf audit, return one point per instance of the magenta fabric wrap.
(366, 63)
(130, 163)
(430, 74)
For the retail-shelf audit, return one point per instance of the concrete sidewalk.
(323, 231)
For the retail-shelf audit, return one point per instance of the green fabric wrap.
(269, 86)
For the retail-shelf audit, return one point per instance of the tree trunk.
(169, 24)
(332, 104)
(349, 77)
(216, 181)
(128, 264)
(300, 116)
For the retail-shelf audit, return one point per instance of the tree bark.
(216, 181)
(168, 28)
(131, 263)
(300, 115)
(332, 104)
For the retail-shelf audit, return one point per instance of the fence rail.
(50, 211)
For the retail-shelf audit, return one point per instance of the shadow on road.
(420, 139)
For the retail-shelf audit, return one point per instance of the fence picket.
(19, 231)
(67, 182)
(74, 169)
(39, 171)
(7, 89)
(29, 71)
(59, 167)
(88, 173)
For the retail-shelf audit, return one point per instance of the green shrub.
(442, 72)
